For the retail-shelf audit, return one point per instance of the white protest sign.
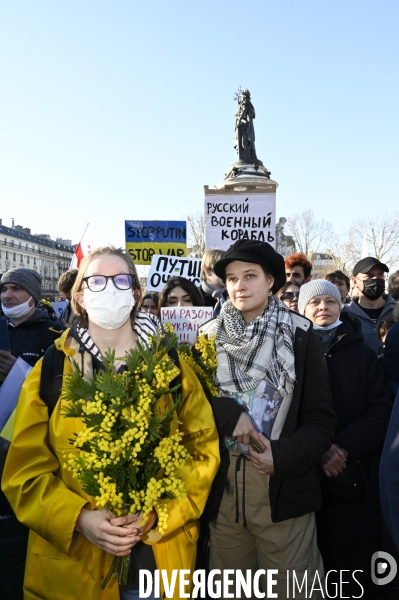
(186, 320)
(164, 267)
(243, 216)
(59, 307)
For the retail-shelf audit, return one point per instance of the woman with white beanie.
(348, 524)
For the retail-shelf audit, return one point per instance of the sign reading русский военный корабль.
(245, 216)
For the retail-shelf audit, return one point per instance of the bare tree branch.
(382, 234)
(196, 233)
(310, 235)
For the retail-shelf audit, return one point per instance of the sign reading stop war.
(243, 216)
(164, 267)
(146, 238)
(186, 320)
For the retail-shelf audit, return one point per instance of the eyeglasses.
(289, 296)
(98, 283)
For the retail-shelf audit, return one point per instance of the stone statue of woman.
(244, 134)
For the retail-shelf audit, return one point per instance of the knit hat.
(317, 287)
(27, 279)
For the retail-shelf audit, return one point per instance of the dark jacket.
(294, 489)
(31, 338)
(209, 300)
(389, 475)
(369, 327)
(28, 340)
(349, 529)
(390, 361)
(360, 395)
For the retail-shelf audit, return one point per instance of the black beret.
(253, 251)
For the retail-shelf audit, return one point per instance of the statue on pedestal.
(244, 134)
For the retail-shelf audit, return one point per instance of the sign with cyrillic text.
(146, 238)
(239, 217)
(164, 267)
(186, 320)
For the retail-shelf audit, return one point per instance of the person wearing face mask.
(69, 539)
(31, 332)
(349, 522)
(372, 306)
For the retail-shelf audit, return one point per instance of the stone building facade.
(19, 248)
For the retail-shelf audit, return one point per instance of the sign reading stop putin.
(144, 239)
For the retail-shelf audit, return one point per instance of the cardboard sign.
(243, 216)
(146, 238)
(164, 267)
(186, 320)
(59, 307)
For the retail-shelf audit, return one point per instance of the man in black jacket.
(31, 332)
(30, 329)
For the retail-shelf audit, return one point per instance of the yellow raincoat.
(46, 497)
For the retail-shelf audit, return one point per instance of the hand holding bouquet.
(128, 457)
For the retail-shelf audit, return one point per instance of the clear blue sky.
(114, 110)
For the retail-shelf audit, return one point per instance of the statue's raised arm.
(244, 134)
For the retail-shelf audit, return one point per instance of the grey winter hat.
(317, 287)
(25, 278)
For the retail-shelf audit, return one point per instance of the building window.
(34, 260)
(28, 259)
(14, 256)
(6, 254)
(22, 258)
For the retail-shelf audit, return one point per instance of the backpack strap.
(51, 377)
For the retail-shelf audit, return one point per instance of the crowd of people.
(295, 459)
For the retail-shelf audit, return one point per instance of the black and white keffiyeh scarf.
(250, 352)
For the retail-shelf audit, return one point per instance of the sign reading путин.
(246, 216)
(146, 238)
(164, 267)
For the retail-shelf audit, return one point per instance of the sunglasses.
(289, 296)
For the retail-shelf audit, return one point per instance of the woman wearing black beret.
(270, 365)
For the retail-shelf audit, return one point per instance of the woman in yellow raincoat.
(70, 542)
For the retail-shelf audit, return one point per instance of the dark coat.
(390, 361)
(350, 532)
(389, 475)
(28, 340)
(209, 300)
(360, 394)
(31, 338)
(294, 489)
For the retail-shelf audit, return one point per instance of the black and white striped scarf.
(250, 352)
(145, 325)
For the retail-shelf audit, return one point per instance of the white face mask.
(110, 308)
(17, 312)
